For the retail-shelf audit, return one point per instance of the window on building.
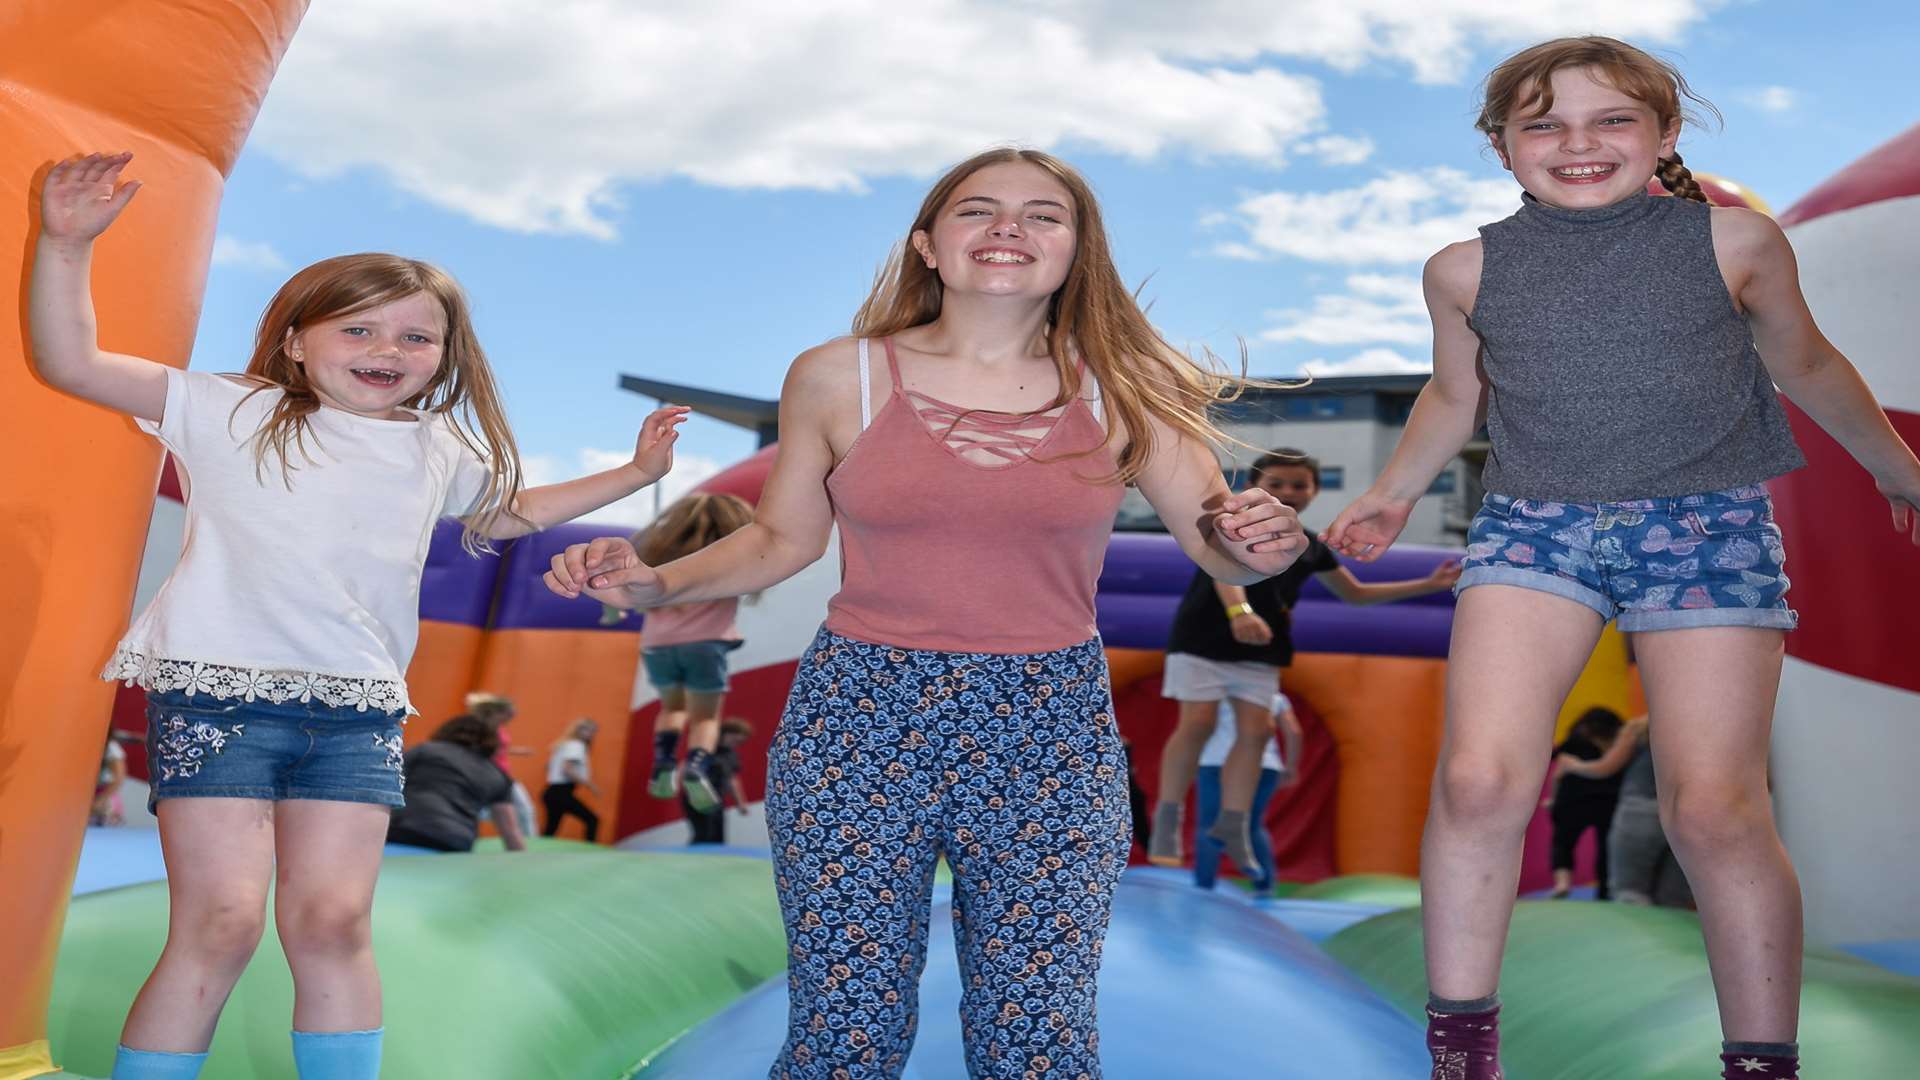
(1332, 477)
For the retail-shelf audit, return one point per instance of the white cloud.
(1376, 307)
(536, 116)
(1400, 217)
(1370, 362)
(689, 472)
(1341, 149)
(229, 250)
(1774, 99)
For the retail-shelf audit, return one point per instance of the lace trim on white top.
(221, 681)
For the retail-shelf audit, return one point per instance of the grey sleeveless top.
(1616, 364)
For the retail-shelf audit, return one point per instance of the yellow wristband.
(1234, 611)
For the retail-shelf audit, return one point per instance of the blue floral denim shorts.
(202, 746)
(1650, 564)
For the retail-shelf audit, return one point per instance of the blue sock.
(155, 1065)
(337, 1055)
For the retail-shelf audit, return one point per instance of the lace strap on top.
(866, 388)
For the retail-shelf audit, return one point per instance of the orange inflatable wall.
(178, 82)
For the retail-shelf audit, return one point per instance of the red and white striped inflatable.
(1846, 756)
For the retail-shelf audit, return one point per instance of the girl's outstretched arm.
(1764, 278)
(80, 198)
(1444, 417)
(790, 526)
(550, 505)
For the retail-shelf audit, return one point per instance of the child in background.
(1585, 789)
(274, 656)
(1228, 644)
(497, 712)
(710, 826)
(569, 768)
(107, 807)
(1277, 770)
(1626, 354)
(685, 647)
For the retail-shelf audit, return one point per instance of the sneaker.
(1230, 828)
(1164, 844)
(700, 791)
(665, 782)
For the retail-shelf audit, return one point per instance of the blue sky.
(698, 196)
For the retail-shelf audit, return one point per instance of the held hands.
(653, 450)
(82, 196)
(1367, 526)
(609, 570)
(1261, 533)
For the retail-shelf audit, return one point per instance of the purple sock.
(1464, 1038)
(1760, 1061)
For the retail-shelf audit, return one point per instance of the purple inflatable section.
(1147, 573)
(455, 587)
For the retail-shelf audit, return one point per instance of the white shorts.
(1196, 678)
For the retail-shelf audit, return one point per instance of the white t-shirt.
(1220, 743)
(573, 750)
(303, 585)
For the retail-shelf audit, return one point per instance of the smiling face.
(1007, 230)
(372, 360)
(1293, 485)
(1594, 147)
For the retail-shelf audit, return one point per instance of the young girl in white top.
(275, 655)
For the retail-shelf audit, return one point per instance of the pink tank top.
(679, 624)
(941, 551)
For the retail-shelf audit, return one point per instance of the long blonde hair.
(1091, 315)
(691, 523)
(462, 389)
(1522, 85)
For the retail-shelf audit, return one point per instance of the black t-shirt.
(447, 787)
(1583, 791)
(1201, 627)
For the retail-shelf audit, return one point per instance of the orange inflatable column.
(178, 82)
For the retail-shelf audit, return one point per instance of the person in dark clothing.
(710, 826)
(1586, 789)
(1229, 643)
(570, 767)
(450, 778)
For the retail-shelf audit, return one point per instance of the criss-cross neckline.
(1013, 447)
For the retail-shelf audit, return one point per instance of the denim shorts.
(227, 748)
(699, 666)
(1650, 564)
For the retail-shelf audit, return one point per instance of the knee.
(1705, 817)
(1484, 788)
(325, 927)
(224, 933)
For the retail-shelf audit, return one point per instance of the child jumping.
(1631, 347)
(685, 647)
(274, 656)
(1229, 643)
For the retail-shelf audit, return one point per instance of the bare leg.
(1711, 691)
(219, 856)
(1515, 655)
(329, 857)
(1179, 760)
(668, 729)
(1239, 779)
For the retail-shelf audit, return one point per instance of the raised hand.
(1367, 526)
(1903, 500)
(607, 569)
(1262, 533)
(83, 195)
(1445, 575)
(653, 450)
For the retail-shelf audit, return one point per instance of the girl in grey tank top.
(1625, 349)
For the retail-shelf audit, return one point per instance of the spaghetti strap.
(893, 362)
(866, 389)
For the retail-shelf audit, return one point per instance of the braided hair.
(1678, 179)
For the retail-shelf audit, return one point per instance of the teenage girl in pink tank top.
(971, 441)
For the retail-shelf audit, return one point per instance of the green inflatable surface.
(563, 963)
(1595, 991)
(1386, 890)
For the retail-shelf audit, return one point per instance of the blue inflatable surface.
(1193, 984)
